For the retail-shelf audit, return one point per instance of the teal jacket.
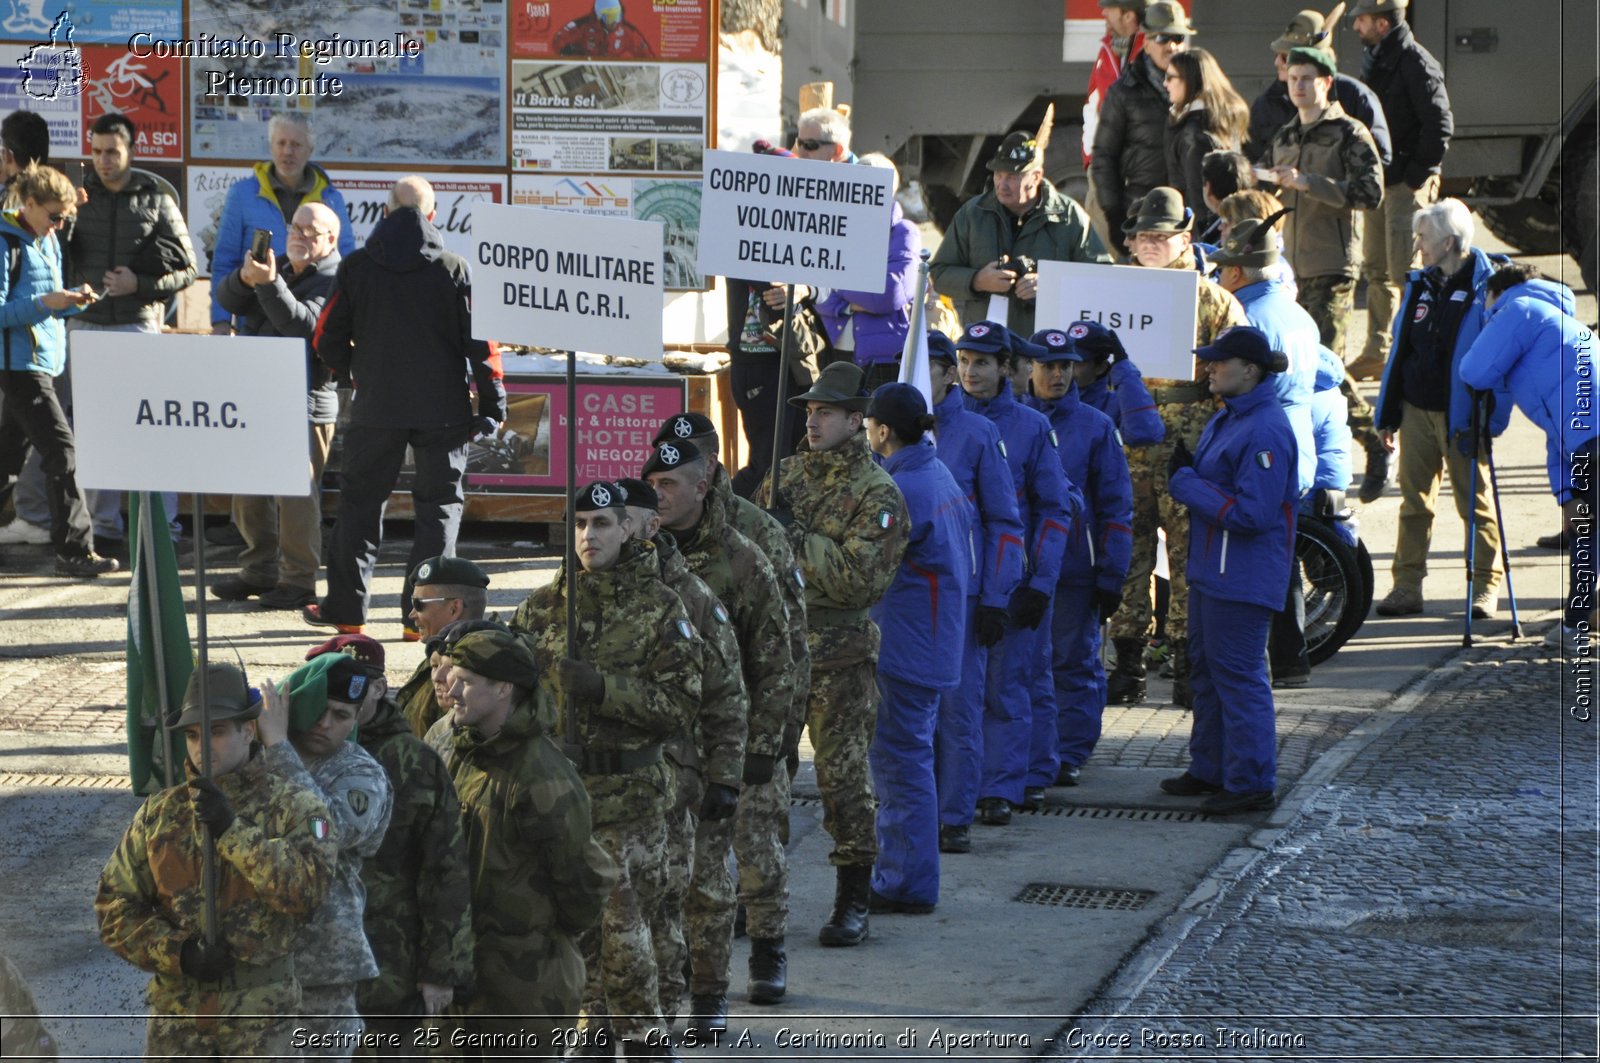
(35, 340)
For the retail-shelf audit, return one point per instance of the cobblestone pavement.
(1434, 899)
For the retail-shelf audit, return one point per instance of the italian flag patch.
(319, 829)
(1264, 458)
(885, 519)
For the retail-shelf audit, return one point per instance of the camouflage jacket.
(849, 533)
(1341, 166)
(637, 634)
(1216, 310)
(1186, 419)
(275, 865)
(716, 735)
(739, 574)
(333, 947)
(763, 529)
(417, 699)
(538, 877)
(419, 898)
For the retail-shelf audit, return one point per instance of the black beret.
(600, 494)
(685, 426)
(639, 493)
(668, 456)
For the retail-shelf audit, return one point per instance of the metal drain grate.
(88, 782)
(1147, 815)
(1056, 895)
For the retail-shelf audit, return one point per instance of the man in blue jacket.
(971, 448)
(1424, 402)
(1240, 489)
(1093, 568)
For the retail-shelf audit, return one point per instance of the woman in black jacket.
(1207, 115)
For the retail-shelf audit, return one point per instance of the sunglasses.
(811, 145)
(57, 217)
(1169, 38)
(431, 601)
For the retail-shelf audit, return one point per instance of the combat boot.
(769, 971)
(708, 1016)
(1125, 686)
(851, 898)
(658, 1048)
(598, 1042)
(1181, 694)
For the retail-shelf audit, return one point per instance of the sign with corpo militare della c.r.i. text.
(769, 218)
(573, 282)
(194, 414)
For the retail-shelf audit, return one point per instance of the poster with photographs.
(673, 203)
(612, 29)
(609, 117)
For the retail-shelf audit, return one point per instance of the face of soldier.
(377, 690)
(1308, 88)
(112, 159)
(230, 745)
(829, 426)
(680, 495)
(1051, 380)
(980, 373)
(1159, 250)
(1017, 192)
(432, 609)
(478, 701)
(1231, 376)
(601, 533)
(646, 522)
(330, 730)
(440, 678)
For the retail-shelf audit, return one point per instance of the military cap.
(1021, 151)
(449, 571)
(599, 494)
(1314, 57)
(497, 655)
(1308, 29)
(1095, 340)
(1131, 221)
(363, 648)
(1248, 345)
(940, 346)
(332, 675)
(986, 337)
(227, 692)
(1162, 211)
(1251, 243)
(837, 385)
(441, 641)
(639, 493)
(1166, 17)
(1390, 8)
(901, 407)
(1055, 345)
(669, 456)
(685, 426)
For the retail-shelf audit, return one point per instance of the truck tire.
(1584, 236)
(1578, 190)
(1337, 592)
(1531, 226)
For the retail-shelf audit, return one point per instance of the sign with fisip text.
(1152, 311)
(768, 218)
(194, 414)
(568, 281)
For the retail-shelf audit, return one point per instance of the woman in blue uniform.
(923, 618)
(1240, 488)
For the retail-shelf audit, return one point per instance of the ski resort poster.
(621, 29)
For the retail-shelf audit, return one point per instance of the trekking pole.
(1505, 554)
(1472, 520)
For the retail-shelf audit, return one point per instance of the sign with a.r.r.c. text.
(768, 218)
(1152, 311)
(202, 414)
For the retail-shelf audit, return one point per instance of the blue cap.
(940, 346)
(1056, 345)
(986, 337)
(1247, 344)
(1094, 340)
(899, 406)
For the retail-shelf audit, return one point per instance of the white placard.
(206, 414)
(570, 281)
(765, 217)
(1152, 310)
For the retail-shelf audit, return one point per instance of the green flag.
(160, 658)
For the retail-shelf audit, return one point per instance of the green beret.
(449, 572)
(332, 675)
(1314, 57)
(497, 655)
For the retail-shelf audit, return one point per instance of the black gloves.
(722, 801)
(757, 769)
(1028, 606)
(482, 426)
(1107, 603)
(991, 625)
(581, 680)
(211, 806)
(205, 962)
(1180, 459)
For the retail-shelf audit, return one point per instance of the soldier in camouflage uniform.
(761, 808)
(847, 524)
(22, 1035)
(324, 696)
(235, 997)
(418, 915)
(539, 879)
(739, 574)
(634, 684)
(444, 590)
(1163, 235)
(707, 762)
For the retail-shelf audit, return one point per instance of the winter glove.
(481, 427)
(757, 769)
(722, 801)
(1180, 459)
(991, 622)
(1028, 606)
(581, 680)
(205, 962)
(211, 805)
(1107, 603)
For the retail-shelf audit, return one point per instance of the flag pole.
(208, 849)
(786, 352)
(571, 589)
(147, 564)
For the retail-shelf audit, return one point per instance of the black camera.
(1021, 265)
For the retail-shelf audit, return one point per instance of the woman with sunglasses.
(1207, 115)
(32, 302)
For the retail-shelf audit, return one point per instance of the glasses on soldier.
(419, 602)
(811, 145)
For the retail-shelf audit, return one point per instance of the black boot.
(1181, 694)
(596, 1042)
(1125, 686)
(708, 1016)
(658, 1048)
(852, 895)
(769, 971)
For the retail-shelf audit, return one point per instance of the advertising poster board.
(675, 203)
(148, 91)
(644, 29)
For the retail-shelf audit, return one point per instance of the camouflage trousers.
(1330, 300)
(1154, 507)
(666, 929)
(841, 715)
(225, 1038)
(329, 1011)
(754, 835)
(619, 958)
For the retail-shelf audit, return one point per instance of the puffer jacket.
(35, 341)
(879, 327)
(1330, 424)
(289, 306)
(1336, 155)
(110, 228)
(1130, 156)
(1410, 85)
(1187, 142)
